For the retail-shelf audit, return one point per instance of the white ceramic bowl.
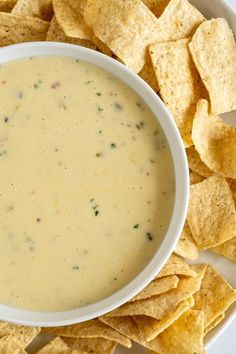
(181, 177)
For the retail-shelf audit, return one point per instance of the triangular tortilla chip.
(91, 345)
(126, 27)
(227, 249)
(185, 336)
(157, 287)
(23, 335)
(213, 49)
(211, 213)
(16, 29)
(179, 20)
(176, 265)
(151, 327)
(70, 19)
(57, 345)
(214, 297)
(215, 141)
(161, 305)
(56, 34)
(89, 329)
(179, 82)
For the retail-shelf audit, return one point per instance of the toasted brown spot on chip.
(126, 27)
(186, 246)
(214, 297)
(215, 141)
(211, 212)
(179, 82)
(214, 52)
(16, 29)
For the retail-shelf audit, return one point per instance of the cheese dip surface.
(86, 187)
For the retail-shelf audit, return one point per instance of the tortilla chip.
(195, 177)
(7, 5)
(157, 287)
(91, 345)
(179, 20)
(23, 335)
(16, 29)
(161, 305)
(128, 327)
(227, 249)
(57, 345)
(214, 52)
(214, 297)
(102, 46)
(215, 141)
(176, 265)
(56, 34)
(156, 6)
(35, 8)
(179, 82)
(196, 164)
(211, 212)
(70, 19)
(89, 329)
(151, 327)
(214, 323)
(126, 27)
(27, 8)
(185, 336)
(8, 345)
(148, 74)
(186, 246)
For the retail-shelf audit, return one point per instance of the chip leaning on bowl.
(190, 62)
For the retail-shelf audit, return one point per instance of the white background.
(226, 344)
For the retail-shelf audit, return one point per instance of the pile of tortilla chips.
(190, 63)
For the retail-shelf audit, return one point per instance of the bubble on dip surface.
(87, 184)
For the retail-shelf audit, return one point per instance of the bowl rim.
(59, 318)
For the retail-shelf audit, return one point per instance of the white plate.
(209, 8)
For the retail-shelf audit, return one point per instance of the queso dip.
(86, 187)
